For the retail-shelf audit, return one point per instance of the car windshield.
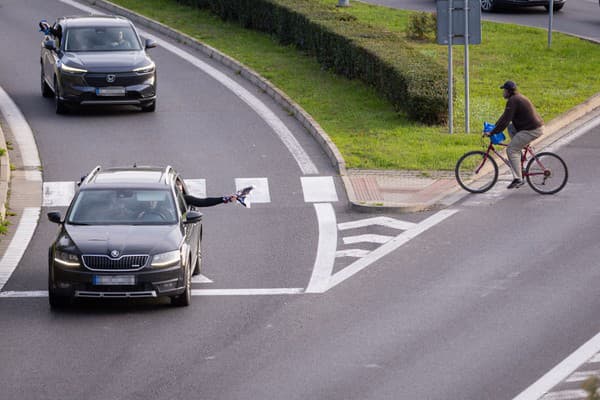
(113, 38)
(123, 207)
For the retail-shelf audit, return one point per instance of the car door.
(192, 231)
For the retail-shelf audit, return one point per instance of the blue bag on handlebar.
(495, 138)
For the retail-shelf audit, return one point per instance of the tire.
(198, 265)
(46, 90)
(547, 173)
(557, 7)
(487, 5)
(185, 298)
(473, 173)
(56, 302)
(150, 108)
(59, 104)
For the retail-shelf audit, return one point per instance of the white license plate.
(114, 280)
(110, 91)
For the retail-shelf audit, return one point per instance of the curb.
(4, 176)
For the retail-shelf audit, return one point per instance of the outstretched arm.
(206, 202)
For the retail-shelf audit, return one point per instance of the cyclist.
(524, 126)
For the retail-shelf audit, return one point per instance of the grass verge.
(368, 132)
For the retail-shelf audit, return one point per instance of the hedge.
(413, 83)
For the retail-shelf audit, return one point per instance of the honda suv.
(127, 233)
(96, 60)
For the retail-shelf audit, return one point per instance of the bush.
(413, 83)
(421, 26)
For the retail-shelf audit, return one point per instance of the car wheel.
(487, 5)
(46, 90)
(198, 265)
(60, 106)
(150, 108)
(56, 301)
(185, 298)
(557, 7)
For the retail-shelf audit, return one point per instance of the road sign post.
(458, 22)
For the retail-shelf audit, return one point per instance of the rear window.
(110, 38)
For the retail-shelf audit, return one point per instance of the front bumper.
(148, 283)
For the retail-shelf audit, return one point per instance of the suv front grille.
(123, 263)
(121, 79)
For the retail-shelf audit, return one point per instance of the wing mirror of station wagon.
(192, 217)
(54, 216)
(150, 43)
(50, 44)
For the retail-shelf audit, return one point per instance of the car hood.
(127, 239)
(107, 61)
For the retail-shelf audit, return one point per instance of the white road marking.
(580, 376)
(57, 194)
(562, 370)
(195, 292)
(325, 259)
(318, 189)
(382, 221)
(19, 243)
(196, 187)
(201, 279)
(595, 359)
(23, 135)
(357, 253)
(568, 138)
(367, 239)
(23, 294)
(260, 193)
(388, 247)
(566, 395)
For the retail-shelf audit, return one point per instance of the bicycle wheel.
(546, 173)
(476, 172)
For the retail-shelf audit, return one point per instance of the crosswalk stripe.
(58, 194)
(260, 193)
(196, 187)
(318, 189)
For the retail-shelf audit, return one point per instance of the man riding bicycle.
(524, 126)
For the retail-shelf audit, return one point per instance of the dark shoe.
(516, 183)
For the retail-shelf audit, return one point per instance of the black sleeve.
(198, 202)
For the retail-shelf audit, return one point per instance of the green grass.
(364, 126)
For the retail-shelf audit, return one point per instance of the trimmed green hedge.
(413, 83)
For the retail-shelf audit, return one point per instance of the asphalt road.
(476, 307)
(578, 17)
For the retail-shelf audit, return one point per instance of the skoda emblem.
(110, 78)
(114, 253)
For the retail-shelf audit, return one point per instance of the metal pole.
(551, 15)
(450, 111)
(467, 66)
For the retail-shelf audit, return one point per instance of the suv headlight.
(66, 259)
(72, 70)
(167, 259)
(146, 69)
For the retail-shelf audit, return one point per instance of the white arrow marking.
(357, 253)
(201, 279)
(367, 239)
(383, 221)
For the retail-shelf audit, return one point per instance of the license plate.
(114, 280)
(110, 91)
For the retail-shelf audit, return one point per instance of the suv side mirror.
(192, 217)
(50, 44)
(150, 43)
(54, 216)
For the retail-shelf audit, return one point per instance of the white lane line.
(260, 193)
(383, 221)
(595, 359)
(325, 259)
(367, 239)
(19, 243)
(304, 162)
(566, 395)
(562, 370)
(388, 247)
(580, 376)
(28, 294)
(57, 194)
(195, 292)
(196, 187)
(23, 135)
(357, 253)
(318, 189)
(201, 279)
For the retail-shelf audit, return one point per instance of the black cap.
(510, 85)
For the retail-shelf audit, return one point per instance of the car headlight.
(167, 259)
(72, 70)
(146, 69)
(66, 259)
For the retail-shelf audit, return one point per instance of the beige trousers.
(517, 143)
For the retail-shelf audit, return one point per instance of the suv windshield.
(113, 38)
(123, 207)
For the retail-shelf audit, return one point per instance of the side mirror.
(50, 44)
(150, 43)
(192, 217)
(54, 216)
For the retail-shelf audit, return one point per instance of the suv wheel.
(55, 300)
(46, 90)
(61, 108)
(198, 265)
(487, 5)
(150, 107)
(185, 298)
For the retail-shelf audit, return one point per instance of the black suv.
(96, 60)
(128, 233)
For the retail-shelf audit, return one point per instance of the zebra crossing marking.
(318, 189)
(260, 193)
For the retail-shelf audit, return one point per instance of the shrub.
(421, 26)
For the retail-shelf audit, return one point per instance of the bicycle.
(477, 171)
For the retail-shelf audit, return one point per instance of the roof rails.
(87, 178)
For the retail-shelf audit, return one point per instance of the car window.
(114, 38)
(123, 207)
